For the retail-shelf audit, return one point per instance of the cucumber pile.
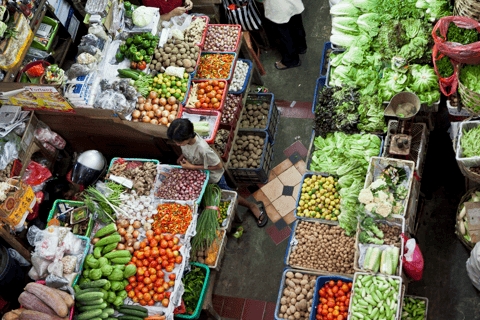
(102, 286)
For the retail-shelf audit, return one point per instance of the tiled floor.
(243, 309)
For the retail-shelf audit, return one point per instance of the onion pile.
(221, 38)
(182, 184)
(137, 207)
(156, 110)
(239, 76)
(230, 108)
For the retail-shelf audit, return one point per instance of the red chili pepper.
(36, 71)
(172, 218)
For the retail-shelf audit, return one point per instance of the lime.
(168, 95)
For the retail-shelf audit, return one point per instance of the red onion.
(182, 184)
(230, 108)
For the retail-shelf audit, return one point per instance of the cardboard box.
(41, 97)
(13, 209)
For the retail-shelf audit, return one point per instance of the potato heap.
(176, 53)
(391, 235)
(297, 299)
(323, 247)
(255, 116)
(247, 151)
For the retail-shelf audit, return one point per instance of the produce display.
(176, 53)
(319, 198)
(172, 218)
(209, 255)
(346, 156)
(469, 142)
(444, 67)
(207, 224)
(138, 49)
(154, 110)
(157, 252)
(239, 76)
(322, 247)
(221, 38)
(214, 66)
(255, 116)
(41, 302)
(230, 108)
(193, 282)
(136, 208)
(461, 35)
(462, 220)
(414, 308)
(181, 184)
(347, 110)
(141, 173)
(332, 294)
(469, 78)
(376, 297)
(247, 150)
(382, 260)
(379, 233)
(297, 297)
(129, 232)
(167, 86)
(106, 206)
(223, 211)
(206, 95)
(221, 140)
(194, 32)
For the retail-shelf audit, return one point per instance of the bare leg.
(250, 205)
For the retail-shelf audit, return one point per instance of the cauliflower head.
(365, 196)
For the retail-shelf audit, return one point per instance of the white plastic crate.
(471, 161)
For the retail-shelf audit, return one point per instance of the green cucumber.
(89, 314)
(92, 302)
(108, 229)
(135, 313)
(94, 284)
(128, 318)
(88, 296)
(102, 305)
(139, 308)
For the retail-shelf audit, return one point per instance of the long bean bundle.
(207, 224)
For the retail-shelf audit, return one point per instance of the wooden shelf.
(34, 25)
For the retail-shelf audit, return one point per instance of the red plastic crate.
(224, 95)
(207, 20)
(199, 113)
(239, 27)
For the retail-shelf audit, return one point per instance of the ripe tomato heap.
(157, 252)
(209, 94)
(334, 300)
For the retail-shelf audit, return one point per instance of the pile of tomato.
(210, 94)
(334, 300)
(157, 253)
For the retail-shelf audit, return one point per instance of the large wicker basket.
(467, 8)
(468, 244)
(468, 97)
(468, 173)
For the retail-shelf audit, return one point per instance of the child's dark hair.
(180, 130)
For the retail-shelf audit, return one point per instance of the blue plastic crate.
(307, 175)
(261, 174)
(318, 285)
(231, 68)
(320, 84)
(282, 286)
(326, 46)
(289, 241)
(273, 114)
(250, 65)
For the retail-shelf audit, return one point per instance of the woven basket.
(467, 96)
(467, 8)
(468, 173)
(466, 196)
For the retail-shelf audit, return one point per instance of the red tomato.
(151, 302)
(144, 290)
(339, 283)
(139, 296)
(161, 296)
(168, 294)
(322, 292)
(131, 294)
(335, 289)
(345, 288)
(147, 274)
(324, 312)
(160, 274)
(143, 302)
(331, 283)
(340, 317)
(175, 240)
(147, 280)
(152, 271)
(168, 237)
(165, 302)
(153, 277)
(164, 263)
(153, 243)
(161, 289)
(134, 284)
(329, 316)
(169, 268)
(132, 279)
(178, 259)
(135, 299)
(166, 286)
(129, 287)
(140, 278)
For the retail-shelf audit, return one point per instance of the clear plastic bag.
(89, 40)
(56, 282)
(90, 49)
(41, 265)
(72, 244)
(33, 274)
(112, 100)
(56, 268)
(9, 153)
(69, 264)
(77, 70)
(46, 244)
(44, 134)
(32, 233)
(18, 257)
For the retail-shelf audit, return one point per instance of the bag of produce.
(446, 70)
(412, 259)
(473, 266)
(457, 38)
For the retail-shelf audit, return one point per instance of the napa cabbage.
(369, 24)
(344, 8)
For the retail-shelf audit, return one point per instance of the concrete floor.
(253, 264)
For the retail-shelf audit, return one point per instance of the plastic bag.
(112, 100)
(44, 134)
(33, 274)
(89, 40)
(77, 70)
(448, 85)
(473, 266)
(469, 53)
(56, 268)
(86, 58)
(92, 50)
(70, 277)
(18, 257)
(36, 54)
(31, 234)
(175, 71)
(9, 153)
(56, 282)
(36, 174)
(412, 259)
(46, 244)
(72, 244)
(41, 265)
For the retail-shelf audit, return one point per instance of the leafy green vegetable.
(193, 282)
(344, 8)
(460, 35)
(369, 24)
(345, 24)
(398, 10)
(471, 142)
(423, 78)
(330, 155)
(444, 67)
(470, 77)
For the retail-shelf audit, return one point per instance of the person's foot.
(260, 214)
(280, 66)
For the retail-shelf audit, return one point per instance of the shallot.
(239, 76)
(182, 184)
(230, 108)
(221, 38)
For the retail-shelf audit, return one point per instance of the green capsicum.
(149, 36)
(129, 41)
(120, 57)
(128, 13)
(123, 48)
(138, 56)
(150, 51)
(145, 44)
(142, 51)
(147, 59)
(137, 39)
(127, 5)
(132, 49)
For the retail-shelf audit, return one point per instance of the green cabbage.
(142, 16)
(342, 40)
(423, 78)
(344, 8)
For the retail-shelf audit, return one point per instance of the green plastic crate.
(132, 160)
(198, 309)
(77, 204)
(54, 24)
